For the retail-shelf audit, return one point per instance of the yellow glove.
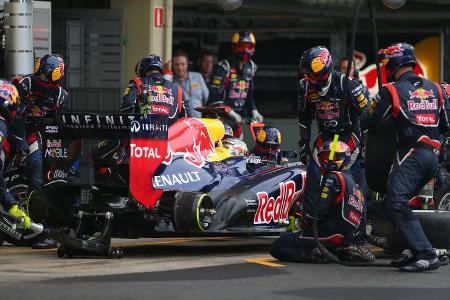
(16, 212)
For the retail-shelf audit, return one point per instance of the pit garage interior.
(101, 41)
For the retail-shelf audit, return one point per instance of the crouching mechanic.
(233, 83)
(150, 93)
(9, 97)
(340, 209)
(267, 144)
(419, 110)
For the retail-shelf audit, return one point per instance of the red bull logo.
(421, 94)
(160, 89)
(324, 105)
(190, 138)
(393, 51)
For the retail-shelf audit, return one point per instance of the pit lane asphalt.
(203, 268)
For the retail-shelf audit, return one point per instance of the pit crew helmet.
(243, 45)
(9, 97)
(236, 147)
(342, 156)
(149, 62)
(396, 56)
(316, 64)
(268, 141)
(49, 68)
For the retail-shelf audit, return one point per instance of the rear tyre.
(192, 212)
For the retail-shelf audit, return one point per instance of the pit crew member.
(42, 96)
(151, 93)
(9, 97)
(419, 108)
(233, 82)
(336, 103)
(340, 209)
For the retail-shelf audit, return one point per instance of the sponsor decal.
(196, 150)
(426, 119)
(55, 174)
(421, 94)
(328, 115)
(137, 127)
(251, 204)
(325, 105)
(271, 209)
(54, 143)
(195, 85)
(216, 81)
(161, 98)
(7, 228)
(146, 152)
(330, 123)
(354, 217)
(160, 110)
(95, 121)
(372, 106)
(422, 105)
(253, 159)
(241, 85)
(161, 181)
(56, 152)
(355, 202)
(159, 89)
(51, 129)
(238, 95)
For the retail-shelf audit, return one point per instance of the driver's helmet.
(228, 132)
(316, 65)
(268, 141)
(149, 62)
(49, 68)
(235, 147)
(342, 156)
(396, 56)
(9, 97)
(243, 45)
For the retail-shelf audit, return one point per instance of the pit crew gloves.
(257, 116)
(16, 212)
(237, 117)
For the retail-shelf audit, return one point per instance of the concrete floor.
(202, 268)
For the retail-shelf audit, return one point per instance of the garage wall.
(92, 43)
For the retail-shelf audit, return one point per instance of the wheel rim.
(445, 202)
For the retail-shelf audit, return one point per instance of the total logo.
(272, 209)
(145, 152)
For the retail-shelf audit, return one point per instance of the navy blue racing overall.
(419, 109)
(39, 99)
(336, 112)
(234, 87)
(155, 95)
(341, 207)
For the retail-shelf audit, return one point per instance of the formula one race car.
(177, 180)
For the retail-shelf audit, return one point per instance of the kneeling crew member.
(340, 209)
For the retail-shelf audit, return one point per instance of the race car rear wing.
(148, 143)
(91, 125)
